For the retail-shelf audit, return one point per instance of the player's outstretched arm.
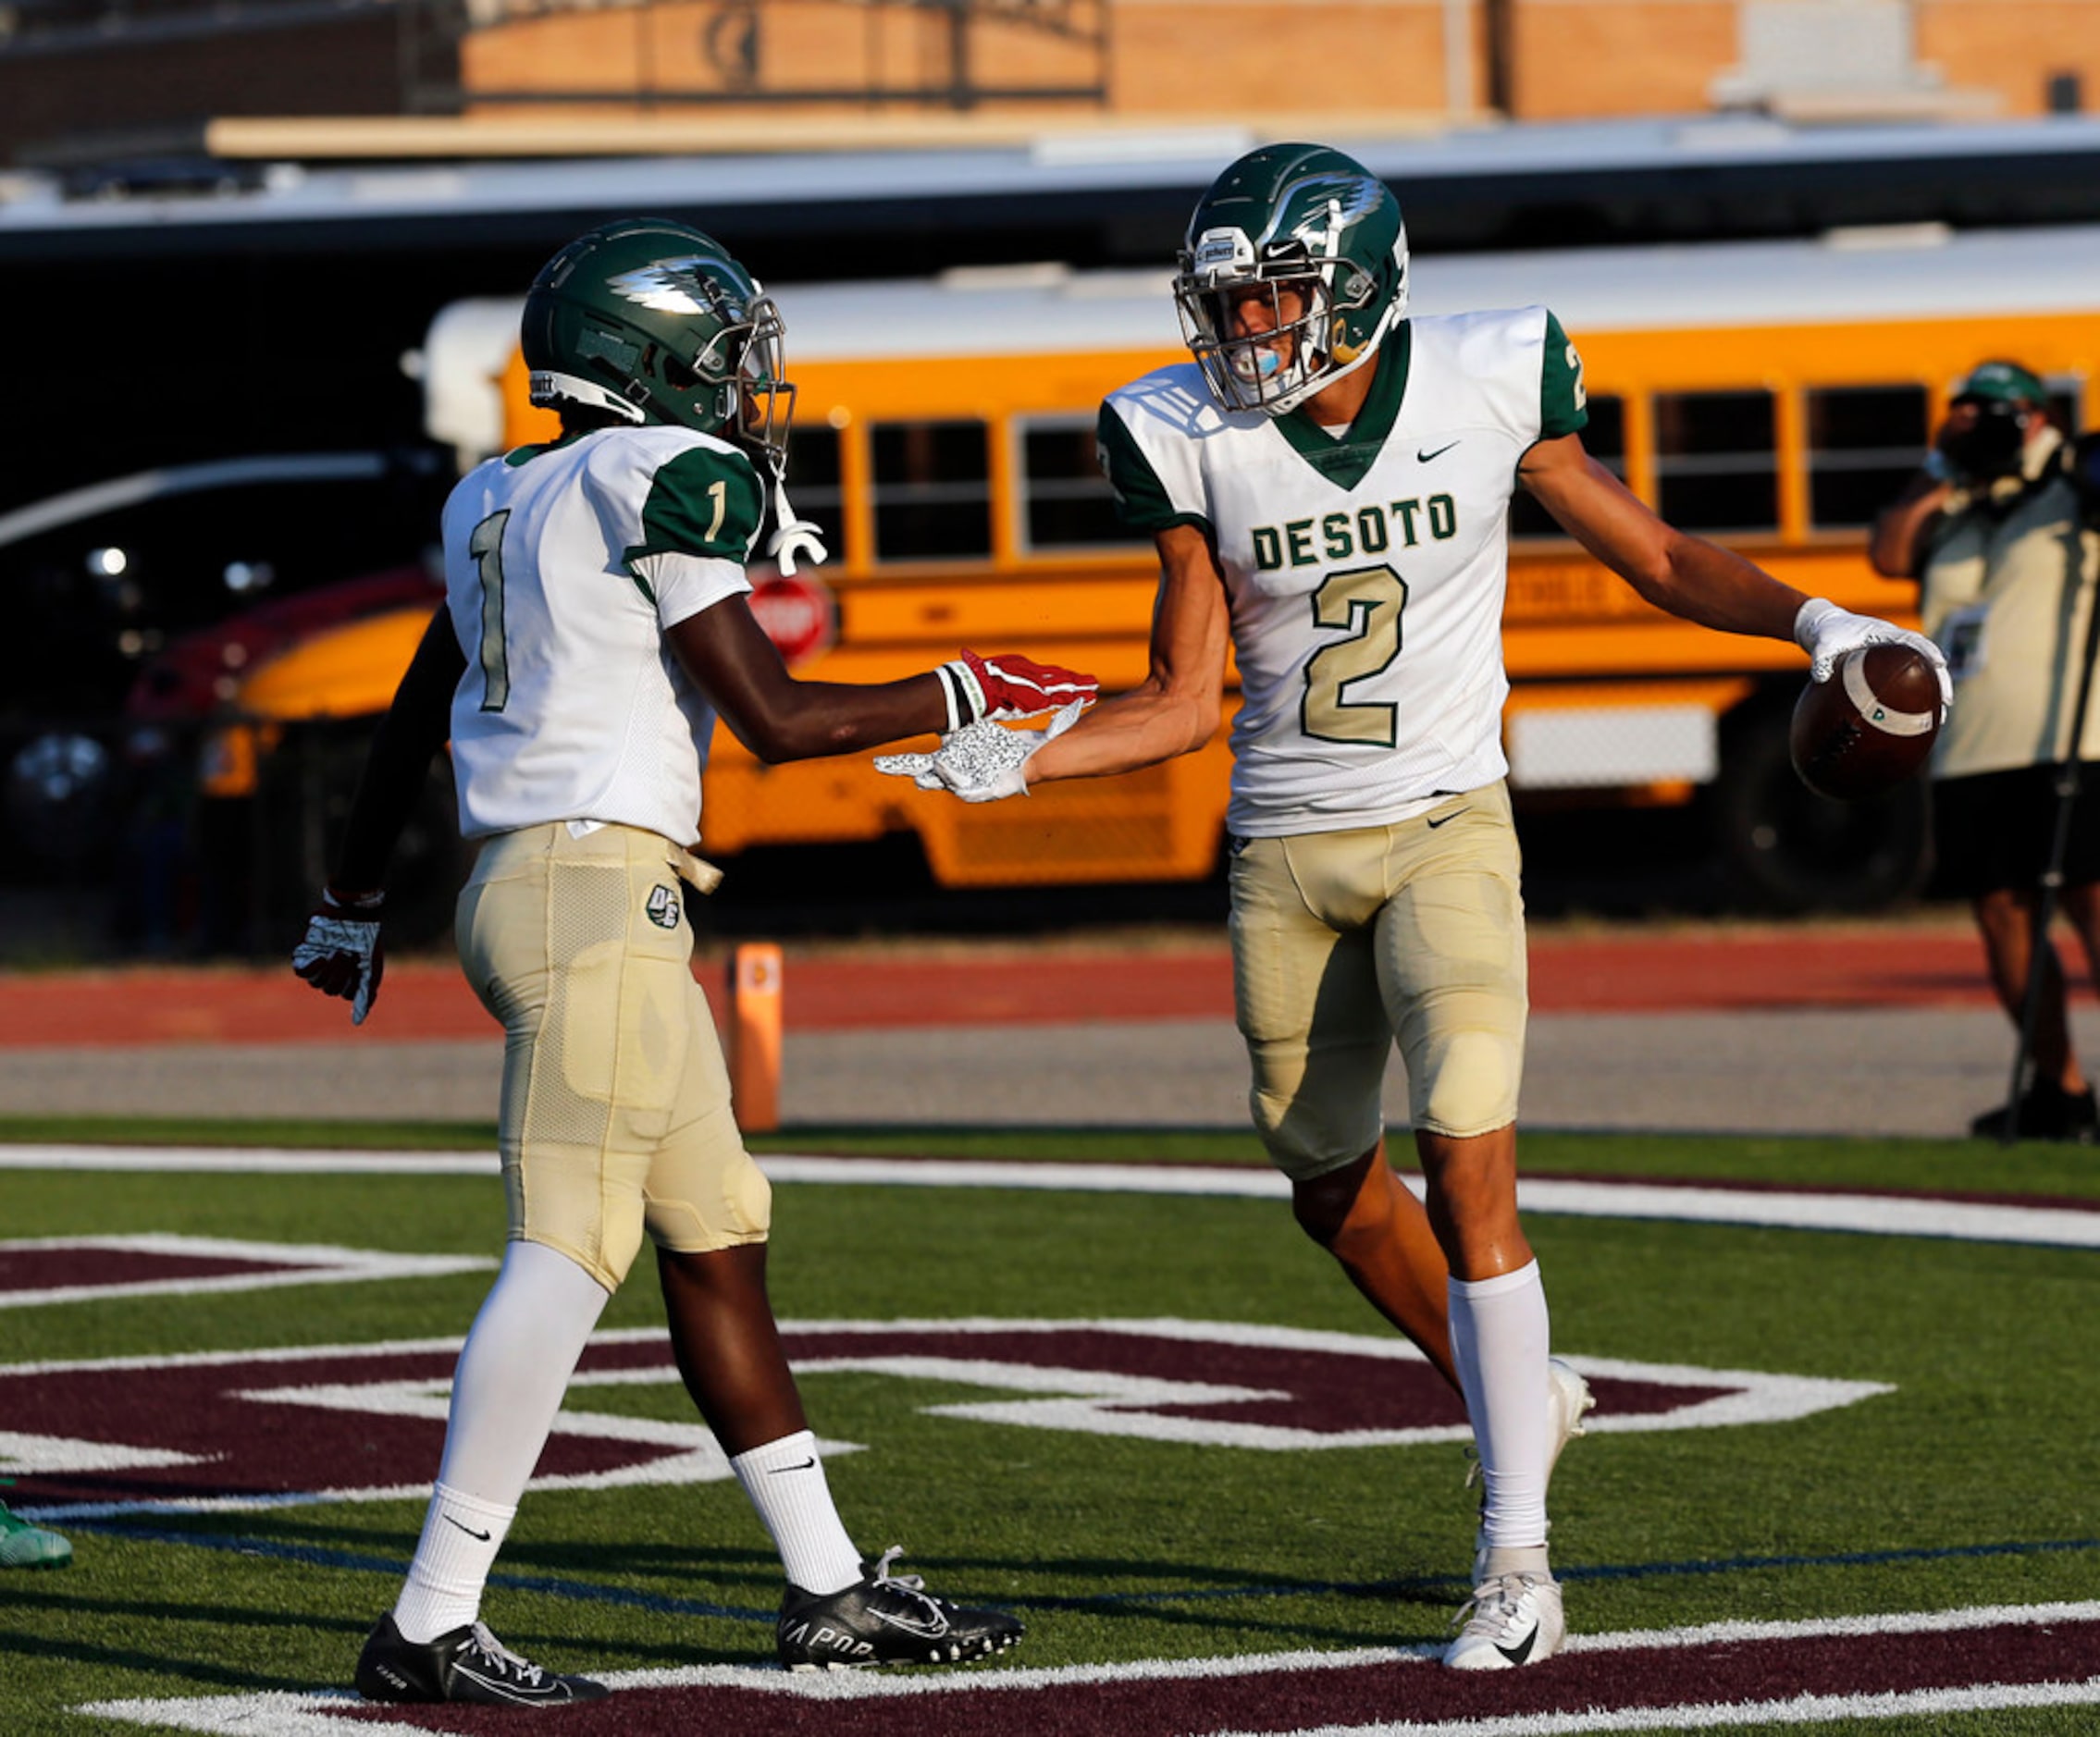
(1177, 709)
(778, 718)
(1691, 577)
(1673, 569)
(341, 954)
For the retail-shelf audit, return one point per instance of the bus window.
(933, 490)
(1714, 466)
(1066, 501)
(1604, 440)
(1864, 444)
(813, 483)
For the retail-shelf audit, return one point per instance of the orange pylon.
(754, 1035)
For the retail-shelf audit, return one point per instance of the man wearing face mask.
(1991, 526)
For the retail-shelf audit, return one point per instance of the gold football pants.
(1346, 943)
(615, 1114)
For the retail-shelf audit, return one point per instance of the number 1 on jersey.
(1367, 602)
(486, 545)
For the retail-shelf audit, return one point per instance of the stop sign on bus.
(800, 615)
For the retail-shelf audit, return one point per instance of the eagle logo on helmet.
(672, 286)
(1342, 200)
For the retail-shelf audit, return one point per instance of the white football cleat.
(1513, 1620)
(1568, 1399)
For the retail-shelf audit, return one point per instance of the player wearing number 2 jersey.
(1329, 485)
(595, 620)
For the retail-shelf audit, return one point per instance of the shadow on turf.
(184, 1668)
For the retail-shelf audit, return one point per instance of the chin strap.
(795, 538)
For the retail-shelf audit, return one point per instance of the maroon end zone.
(360, 1423)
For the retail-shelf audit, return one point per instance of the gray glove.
(981, 762)
(341, 955)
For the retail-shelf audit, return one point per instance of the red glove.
(1008, 687)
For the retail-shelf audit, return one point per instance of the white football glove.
(1826, 633)
(982, 761)
(795, 538)
(341, 955)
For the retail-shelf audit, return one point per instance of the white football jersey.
(564, 566)
(1365, 573)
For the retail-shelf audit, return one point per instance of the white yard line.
(1867, 1214)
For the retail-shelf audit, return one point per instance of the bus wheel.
(1784, 848)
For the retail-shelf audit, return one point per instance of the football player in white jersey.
(1329, 485)
(594, 621)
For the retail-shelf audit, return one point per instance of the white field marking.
(309, 1264)
(27, 1454)
(698, 1459)
(1867, 1214)
(1091, 1395)
(280, 1715)
(1086, 1401)
(250, 1161)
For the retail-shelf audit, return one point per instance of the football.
(1870, 726)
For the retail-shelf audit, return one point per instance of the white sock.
(506, 1392)
(786, 1482)
(1499, 1341)
(461, 1536)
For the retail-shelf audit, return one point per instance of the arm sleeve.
(1563, 404)
(699, 519)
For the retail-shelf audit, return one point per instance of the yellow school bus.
(1773, 396)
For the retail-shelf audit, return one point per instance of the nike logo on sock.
(774, 1472)
(480, 1537)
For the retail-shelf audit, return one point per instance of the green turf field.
(1973, 1482)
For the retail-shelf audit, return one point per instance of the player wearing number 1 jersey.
(594, 621)
(1329, 484)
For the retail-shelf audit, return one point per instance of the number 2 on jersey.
(486, 545)
(1366, 602)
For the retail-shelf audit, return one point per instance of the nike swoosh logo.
(782, 1471)
(470, 1532)
(504, 1689)
(930, 1629)
(1517, 1655)
(1439, 820)
(1423, 458)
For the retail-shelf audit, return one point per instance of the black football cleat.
(886, 1619)
(469, 1664)
(2048, 1112)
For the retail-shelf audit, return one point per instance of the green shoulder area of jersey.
(1141, 500)
(706, 501)
(1563, 406)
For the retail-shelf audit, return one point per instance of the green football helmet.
(656, 323)
(1296, 220)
